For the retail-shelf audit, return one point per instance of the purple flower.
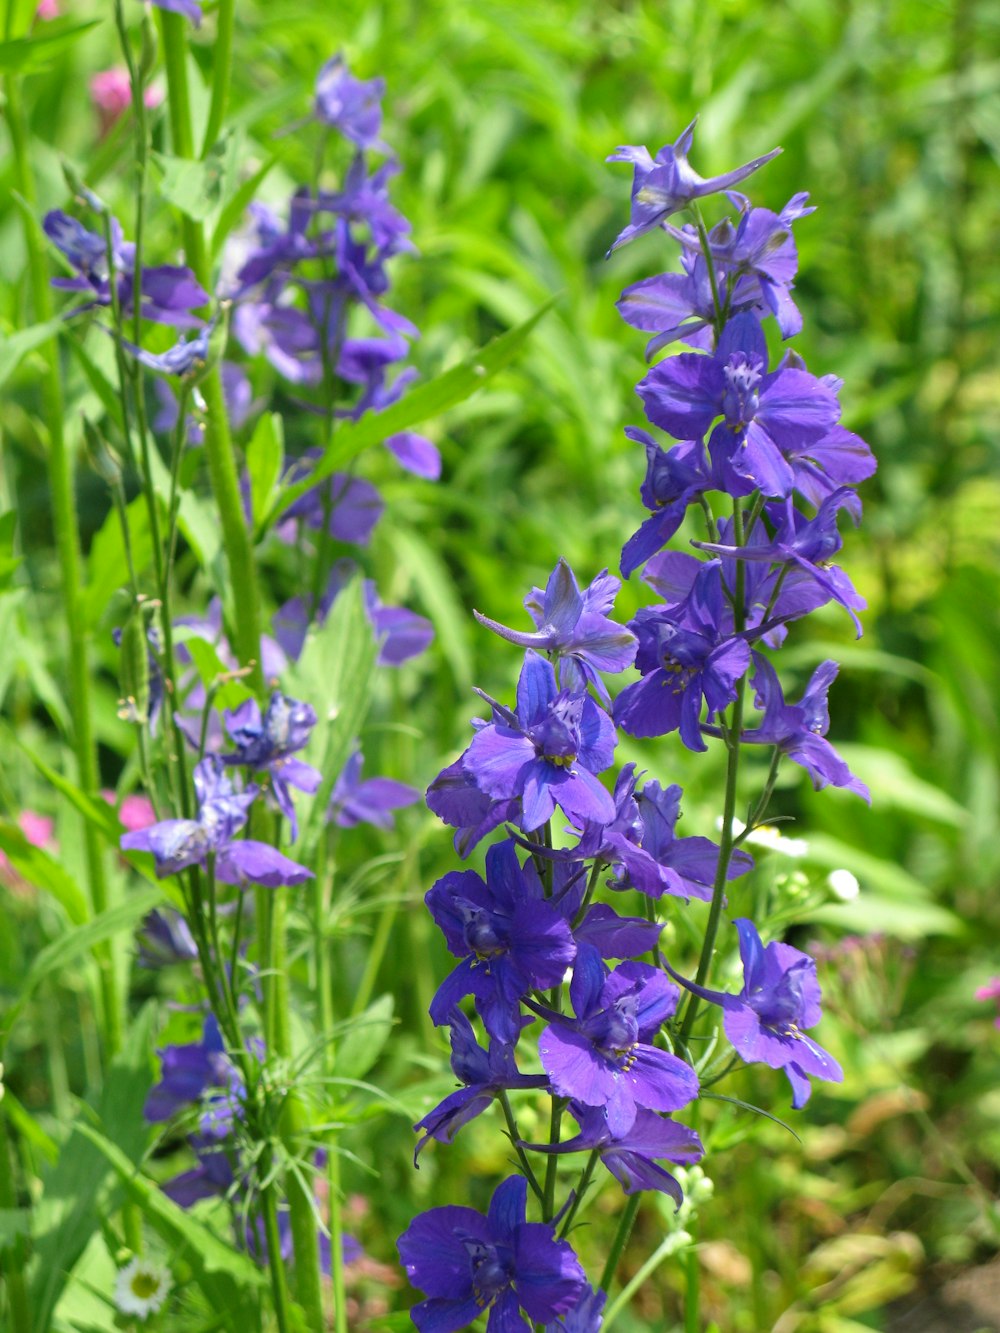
(674, 479)
(370, 802)
(642, 845)
(807, 544)
(468, 1263)
(191, 9)
(177, 844)
(665, 184)
(684, 658)
(605, 1057)
(631, 1156)
(349, 507)
(350, 105)
(190, 1072)
(186, 359)
(415, 453)
(401, 633)
(457, 800)
(766, 416)
(766, 1021)
(585, 1317)
(510, 937)
(485, 1074)
(547, 752)
(799, 730)
(165, 938)
(755, 262)
(574, 625)
(268, 744)
(169, 292)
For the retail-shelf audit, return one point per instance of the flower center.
(557, 737)
(492, 1270)
(740, 398)
(145, 1285)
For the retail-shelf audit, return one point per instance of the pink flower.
(47, 9)
(111, 93)
(991, 991)
(136, 812)
(37, 829)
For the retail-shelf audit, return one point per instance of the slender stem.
(625, 1225)
(337, 1242)
(279, 1290)
(67, 534)
(692, 1293)
(515, 1138)
(727, 840)
(222, 61)
(706, 250)
(552, 1164)
(17, 1293)
(581, 1190)
(236, 537)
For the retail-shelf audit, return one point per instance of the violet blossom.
(468, 1264)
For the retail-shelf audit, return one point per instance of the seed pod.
(133, 672)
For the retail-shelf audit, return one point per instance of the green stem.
(236, 538)
(222, 62)
(301, 1210)
(727, 840)
(625, 1225)
(552, 1164)
(279, 1289)
(515, 1138)
(67, 534)
(337, 1241)
(581, 1190)
(15, 1258)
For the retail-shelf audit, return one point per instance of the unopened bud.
(103, 459)
(150, 42)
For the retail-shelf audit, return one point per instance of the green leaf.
(237, 205)
(420, 404)
(14, 1222)
(362, 1043)
(335, 674)
(81, 939)
(107, 567)
(197, 189)
(194, 518)
(873, 913)
(265, 455)
(16, 346)
(97, 813)
(75, 1193)
(212, 670)
(9, 562)
(440, 599)
(228, 1277)
(41, 48)
(43, 871)
(95, 377)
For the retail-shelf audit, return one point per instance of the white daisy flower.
(141, 1287)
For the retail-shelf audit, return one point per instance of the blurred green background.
(502, 115)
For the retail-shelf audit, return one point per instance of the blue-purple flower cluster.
(758, 450)
(307, 294)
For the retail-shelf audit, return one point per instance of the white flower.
(141, 1287)
(843, 885)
